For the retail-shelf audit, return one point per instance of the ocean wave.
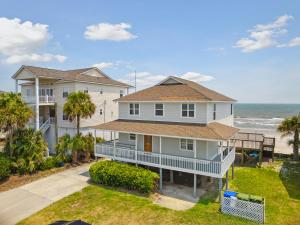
(258, 123)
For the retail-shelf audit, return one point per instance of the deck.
(253, 141)
(213, 168)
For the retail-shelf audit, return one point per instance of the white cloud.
(104, 65)
(147, 79)
(197, 77)
(31, 58)
(107, 31)
(292, 43)
(264, 35)
(277, 24)
(20, 42)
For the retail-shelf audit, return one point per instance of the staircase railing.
(45, 126)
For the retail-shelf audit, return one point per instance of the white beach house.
(176, 125)
(46, 91)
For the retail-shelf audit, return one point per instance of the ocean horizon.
(263, 116)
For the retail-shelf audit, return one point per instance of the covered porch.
(164, 155)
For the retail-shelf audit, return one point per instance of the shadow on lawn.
(290, 177)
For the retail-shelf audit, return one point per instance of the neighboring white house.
(176, 125)
(46, 91)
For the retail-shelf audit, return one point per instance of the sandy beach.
(281, 145)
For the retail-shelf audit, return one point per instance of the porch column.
(195, 175)
(160, 169)
(37, 105)
(135, 148)
(222, 148)
(171, 177)
(16, 86)
(114, 145)
(220, 189)
(95, 142)
(226, 180)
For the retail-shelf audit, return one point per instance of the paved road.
(21, 202)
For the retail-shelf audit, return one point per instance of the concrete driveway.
(21, 202)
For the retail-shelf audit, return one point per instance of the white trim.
(188, 117)
(188, 101)
(168, 78)
(134, 109)
(186, 150)
(68, 91)
(163, 109)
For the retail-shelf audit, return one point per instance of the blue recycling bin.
(230, 194)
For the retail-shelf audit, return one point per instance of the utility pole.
(135, 81)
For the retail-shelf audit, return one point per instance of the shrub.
(48, 163)
(123, 175)
(5, 164)
(99, 140)
(27, 150)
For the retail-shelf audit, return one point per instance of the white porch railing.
(42, 99)
(211, 168)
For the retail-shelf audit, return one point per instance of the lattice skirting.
(248, 210)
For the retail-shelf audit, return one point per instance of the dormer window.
(188, 110)
(101, 91)
(121, 93)
(86, 90)
(134, 109)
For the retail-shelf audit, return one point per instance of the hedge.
(5, 165)
(117, 174)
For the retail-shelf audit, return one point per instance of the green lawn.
(99, 205)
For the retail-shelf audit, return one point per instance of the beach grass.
(100, 205)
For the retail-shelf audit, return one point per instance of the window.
(101, 112)
(65, 116)
(101, 91)
(215, 112)
(231, 109)
(65, 92)
(187, 144)
(159, 109)
(28, 92)
(134, 109)
(86, 90)
(132, 137)
(188, 110)
(46, 91)
(121, 93)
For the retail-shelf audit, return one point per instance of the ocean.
(259, 117)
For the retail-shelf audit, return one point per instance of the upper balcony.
(127, 153)
(43, 100)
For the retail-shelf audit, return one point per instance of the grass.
(100, 205)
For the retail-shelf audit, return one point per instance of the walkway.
(21, 202)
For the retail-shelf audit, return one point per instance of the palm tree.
(63, 147)
(77, 144)
(14, 113)
(79, 105)
(291, 126)
(89, 145)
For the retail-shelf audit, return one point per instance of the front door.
(147, 143)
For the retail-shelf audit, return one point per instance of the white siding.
(172, 113)
(170, 146)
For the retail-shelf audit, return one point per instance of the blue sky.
(247, 50)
